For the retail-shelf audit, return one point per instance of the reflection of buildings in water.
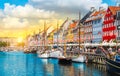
(89, 70)
(50, 66)
(94, 69)
(79, 66)
(30, 65)
(53, 61)
(99, 67)
(66, 70)
(79, 69)
(45, 61)
(50, 69)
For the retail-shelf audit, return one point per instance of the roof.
(74, 24)
(99, 12)
(86, 16)
(52, 31)
(95, 15)
(114, 9)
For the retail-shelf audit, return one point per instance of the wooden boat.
(65, 60)
(112, 61)
(113, 66)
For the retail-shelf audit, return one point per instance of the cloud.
(27, 11)
(12, 22)
(68, 8)
(29, 15)
(13, 16)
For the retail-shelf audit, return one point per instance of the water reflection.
(79, 69)
(20, 64)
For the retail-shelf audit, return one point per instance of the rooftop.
(114, 9)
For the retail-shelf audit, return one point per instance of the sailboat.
(56, 52)
(43, 53)
(63, 59)
(80, 57)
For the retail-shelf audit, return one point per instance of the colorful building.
(117, 23)
(58, 35)
(87, 26)
(109, 27)
(97, 22)
(88, 31)
(50, 36)
(72, 36)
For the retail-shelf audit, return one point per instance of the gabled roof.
(95, 15)
(74, 24)
(99, 12)
(114, 9)
(86, 16)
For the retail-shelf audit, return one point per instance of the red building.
(109, 28)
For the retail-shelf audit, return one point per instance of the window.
(118, 15)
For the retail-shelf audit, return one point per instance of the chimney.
(101, 8)
(92, 9)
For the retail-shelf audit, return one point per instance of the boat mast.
(44, 34)
(57, 34)
(79, 30)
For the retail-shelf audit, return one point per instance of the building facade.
(88, 30)
(117, 23)
(97, 23)
(109, 27)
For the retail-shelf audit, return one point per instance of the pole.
(57, 34)
(79, 31)
(44, 34)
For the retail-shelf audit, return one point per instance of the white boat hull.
(44, 55)
(55, 54)
(80, 58)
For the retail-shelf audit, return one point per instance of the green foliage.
(115, 41)
(4, 44)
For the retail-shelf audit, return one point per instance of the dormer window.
(118, 15)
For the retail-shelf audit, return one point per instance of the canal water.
(20, 64)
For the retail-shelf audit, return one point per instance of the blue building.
(97, 22)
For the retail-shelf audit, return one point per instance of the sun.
(20, 40)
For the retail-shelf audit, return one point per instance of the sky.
(19, 18)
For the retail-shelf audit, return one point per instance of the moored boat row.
(61, 56)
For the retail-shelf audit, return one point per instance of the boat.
(44, 52)
(65, 60)
(55, 53)
(112, 61)
(44, 55)
(113, 66)
(80, 58)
